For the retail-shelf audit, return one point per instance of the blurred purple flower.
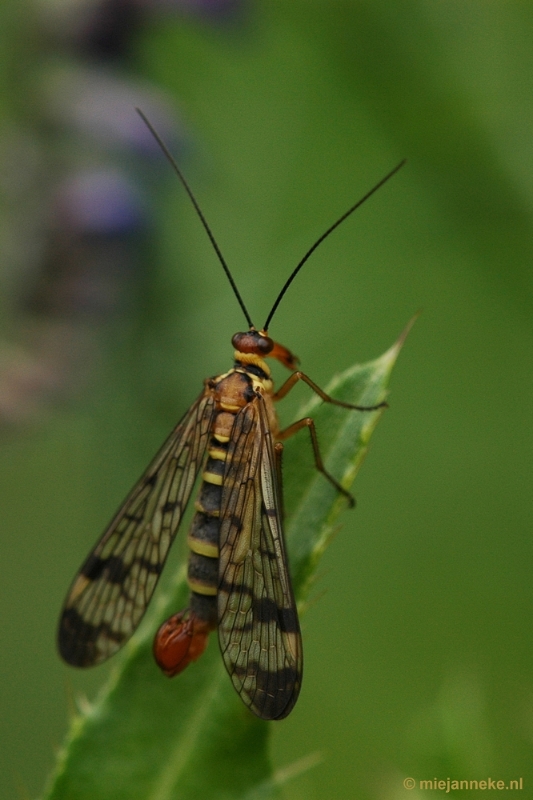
(95, 102)
(101, 201)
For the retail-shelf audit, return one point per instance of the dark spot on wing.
(113, 568)
(276, 690)
(229, 588)
(77, 638)
(265, 611)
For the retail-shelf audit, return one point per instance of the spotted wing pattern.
(113, 588)
(258, 627)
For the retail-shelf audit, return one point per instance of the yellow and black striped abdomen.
(232, 392)
(202, 573)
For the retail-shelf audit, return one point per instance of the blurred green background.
(418, 646)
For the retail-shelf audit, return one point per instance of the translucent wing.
(113, 588)
(258, 627)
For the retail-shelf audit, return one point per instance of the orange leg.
(309, 423)
(300, 376)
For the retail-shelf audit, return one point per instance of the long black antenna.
(203, 220)
(324, 236)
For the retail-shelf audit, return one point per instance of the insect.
(238, 571)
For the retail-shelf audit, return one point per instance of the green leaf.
(148, 738)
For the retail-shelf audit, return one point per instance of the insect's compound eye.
(253, 342)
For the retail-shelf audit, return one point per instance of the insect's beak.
(284, 356)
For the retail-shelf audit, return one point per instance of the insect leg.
(300, 376)
(309, 423)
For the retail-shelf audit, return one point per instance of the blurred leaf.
(144, 737)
